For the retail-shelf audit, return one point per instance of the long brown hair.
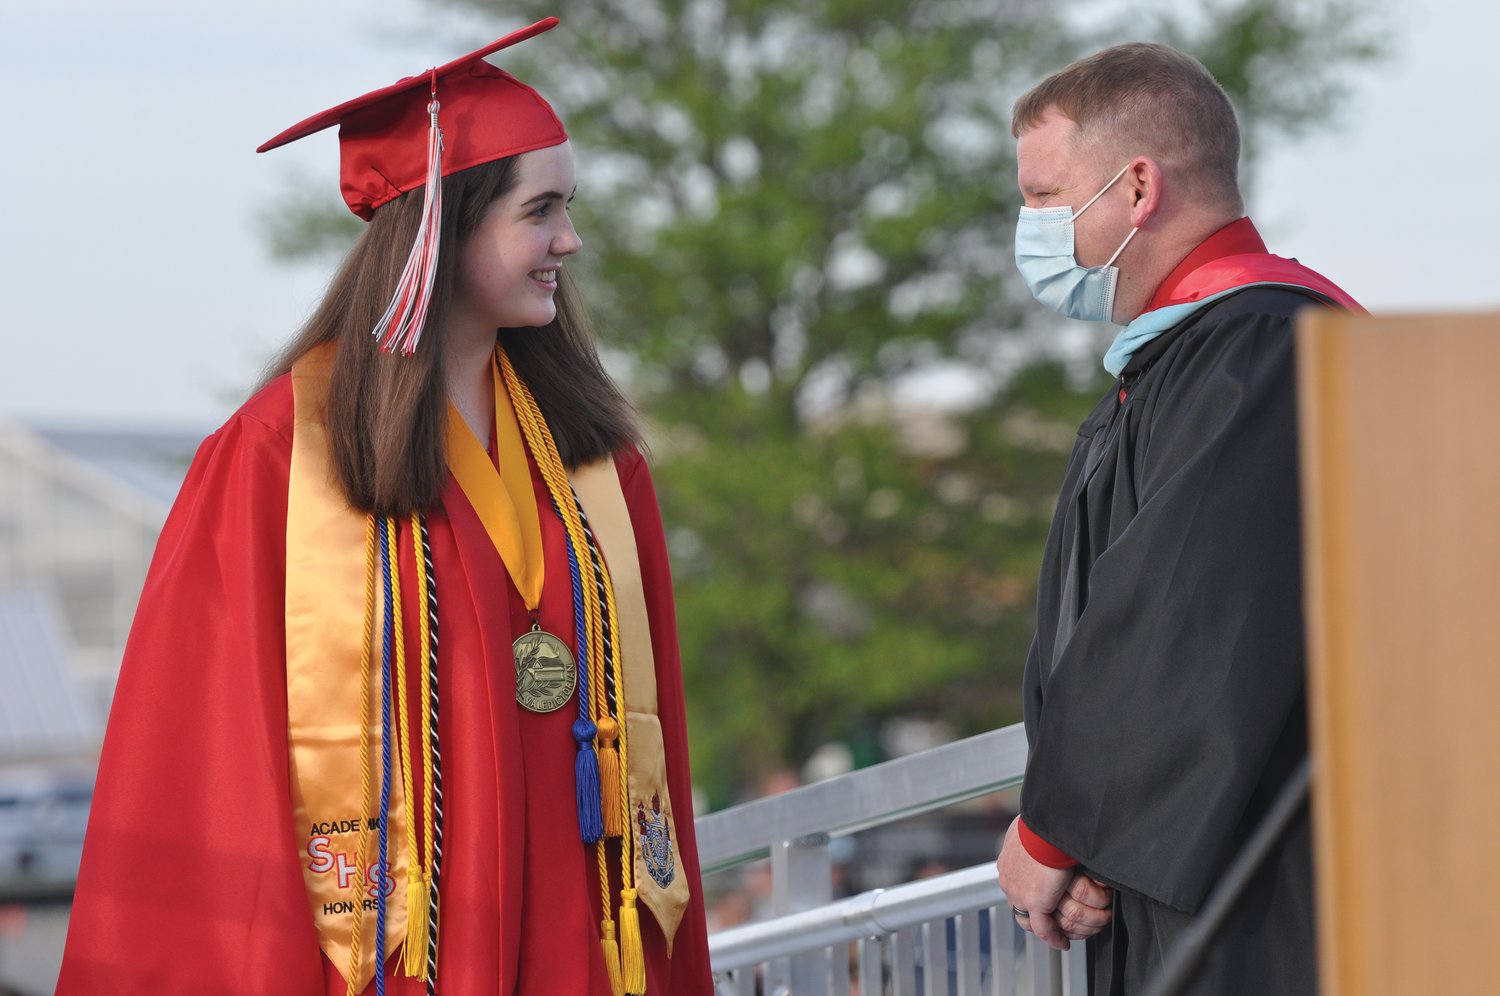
(387, 414)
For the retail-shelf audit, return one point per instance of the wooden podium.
(1401, 493)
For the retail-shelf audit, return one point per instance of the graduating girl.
(401, 710)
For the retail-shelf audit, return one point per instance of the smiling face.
(507, 270)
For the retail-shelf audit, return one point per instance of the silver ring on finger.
(1020, 914)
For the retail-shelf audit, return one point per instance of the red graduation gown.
(191, 880)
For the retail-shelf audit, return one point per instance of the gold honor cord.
(625, 961)
(419, 875)
(632, 953)
(414, 949)
(366, 784)
(428, 946)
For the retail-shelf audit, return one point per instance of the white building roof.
(43, 710)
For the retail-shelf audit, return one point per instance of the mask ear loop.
(1122, 247)
(1101, 193)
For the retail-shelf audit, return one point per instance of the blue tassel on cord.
(586, 771)
(586, 768)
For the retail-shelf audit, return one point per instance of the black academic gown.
(1165, 689)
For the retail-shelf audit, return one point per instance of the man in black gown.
(1165, 688)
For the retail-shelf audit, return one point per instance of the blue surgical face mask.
(1044, 255)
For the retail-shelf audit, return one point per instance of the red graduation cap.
(409, 134)
(487, 114)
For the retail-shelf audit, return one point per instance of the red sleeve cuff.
(1043, 852)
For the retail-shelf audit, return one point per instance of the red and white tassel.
(401, 325)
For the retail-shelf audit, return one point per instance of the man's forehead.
(1051, 134)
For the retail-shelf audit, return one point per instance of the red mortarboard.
(487, 114)
(409, 134)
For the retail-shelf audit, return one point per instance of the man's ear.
(1143, 177)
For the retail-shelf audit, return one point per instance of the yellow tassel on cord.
(612, 958)
(609, 778)
(415, 963)
(632, 957)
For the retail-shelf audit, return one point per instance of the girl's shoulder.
(271, 408)
(630, 461)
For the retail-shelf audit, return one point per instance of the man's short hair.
(1147, 99)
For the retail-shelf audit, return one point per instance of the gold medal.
(545, 672)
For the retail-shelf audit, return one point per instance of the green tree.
(797, 212)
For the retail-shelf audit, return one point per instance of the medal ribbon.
(506, 506)
(504, 501)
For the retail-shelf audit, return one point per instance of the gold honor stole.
(325, 584)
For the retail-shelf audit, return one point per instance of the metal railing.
(951, 935)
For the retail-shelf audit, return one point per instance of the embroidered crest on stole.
(656, 842)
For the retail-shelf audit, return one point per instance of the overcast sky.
(137, 286)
